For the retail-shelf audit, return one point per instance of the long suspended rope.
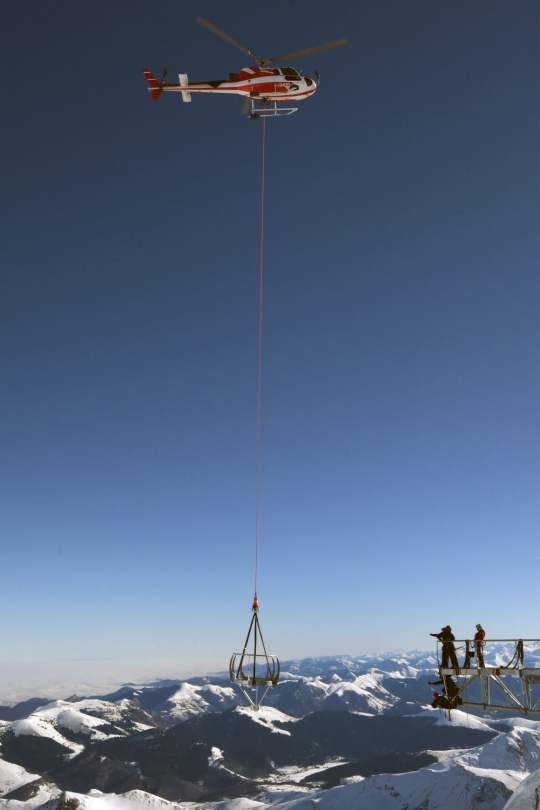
(468, 768)
(259, 375)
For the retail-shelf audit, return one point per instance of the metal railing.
(472, 648)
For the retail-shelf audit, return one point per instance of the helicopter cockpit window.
(290, 73)
(276, 71)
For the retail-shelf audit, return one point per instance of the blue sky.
(399, 484)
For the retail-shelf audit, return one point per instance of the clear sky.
(399, 486)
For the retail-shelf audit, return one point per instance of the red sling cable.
(258, 460)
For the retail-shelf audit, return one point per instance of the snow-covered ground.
(13, 776)
(73, 716)
(37, 727)
(93, 718)
(488, 775)
(267, 716)
(493, 776)
(95, 800)
(45, 794)
(527, 796)
(191, 700)
(457, 718)
(433, 788)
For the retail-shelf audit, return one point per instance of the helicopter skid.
(261, 108)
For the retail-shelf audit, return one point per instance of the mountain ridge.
(356, 727)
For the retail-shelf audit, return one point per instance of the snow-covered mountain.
(338, 732)
(493, 776)
(97, 719)
(482, 777)
(190, 700)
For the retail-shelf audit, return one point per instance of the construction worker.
(479, 644)
(450, 690)
(448, 649)
(441, 702)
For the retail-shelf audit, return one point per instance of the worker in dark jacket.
(451, 690)
(441, 702)
(448, 649)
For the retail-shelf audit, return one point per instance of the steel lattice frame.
(492, 685)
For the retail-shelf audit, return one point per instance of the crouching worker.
(450, 697)
(441, 702)
(452, 692)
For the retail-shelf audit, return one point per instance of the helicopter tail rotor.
(155, 87)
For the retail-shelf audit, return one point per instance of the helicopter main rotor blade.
(337, 44)
(220, 33)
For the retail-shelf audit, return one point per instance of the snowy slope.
(133, 800)
(399, 664)
(120, 713)
(518, 751)
(37, 727)
(457, 718)
(365, 692)
(343, 691)
(230, 804)
(111, 712)
(13, 776)
(487, 774)
(66, 722)
(70, 717)
(527, 796)
(435, 788)
(44, 794)
(191, 700)
(267, 716)
(95, 800)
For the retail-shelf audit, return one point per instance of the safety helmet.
(479, 627)
(447, 627)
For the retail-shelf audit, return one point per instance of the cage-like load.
(254, 669)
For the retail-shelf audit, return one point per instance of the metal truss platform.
(511, 687)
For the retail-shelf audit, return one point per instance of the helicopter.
(263, 86)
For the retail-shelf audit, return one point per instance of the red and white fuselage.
(264, 83)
